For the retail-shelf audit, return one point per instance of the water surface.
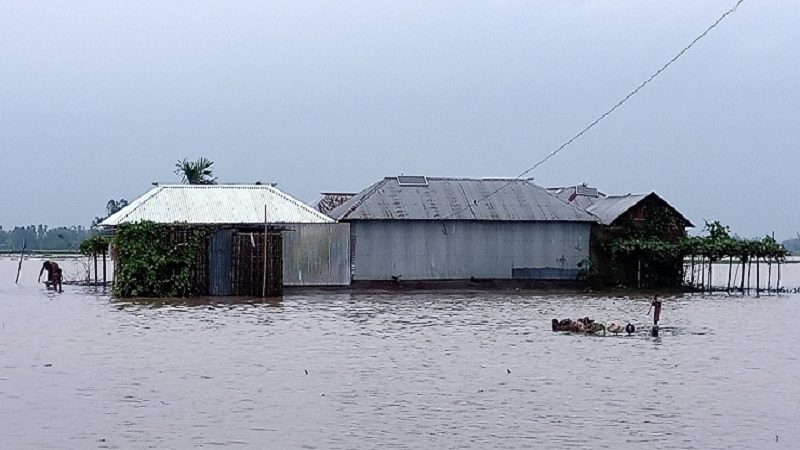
(395, 370)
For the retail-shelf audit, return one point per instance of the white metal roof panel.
(216, 205)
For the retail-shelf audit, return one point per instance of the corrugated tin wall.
(220, 262)
(316, 255)
(429, 250)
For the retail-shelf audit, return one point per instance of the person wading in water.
(655, 306)
(54, 275)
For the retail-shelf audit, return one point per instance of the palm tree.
(196, 172)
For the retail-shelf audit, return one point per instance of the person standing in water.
(655, 306)
(54, 275)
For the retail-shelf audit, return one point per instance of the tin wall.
(220, 262)
(459, 250)
(316, 255)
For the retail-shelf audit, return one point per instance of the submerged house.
(408, 228)
(259, 237)
(627, 215)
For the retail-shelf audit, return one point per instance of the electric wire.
(605, 114)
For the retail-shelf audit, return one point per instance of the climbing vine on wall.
(151, 263)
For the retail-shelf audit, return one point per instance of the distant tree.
(115, 205)
(111, 207)
(793, 245)
(196, 172)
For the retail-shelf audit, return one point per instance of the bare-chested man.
(54, 275)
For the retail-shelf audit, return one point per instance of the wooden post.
(778, 282)
(639, 273)
(105, 282)
(749, 272)
(21, 254)
(702, 272)
(95, 268)
(744, 269)
(264, 283)
(710, 273)
(769, 274)
(692, 282)
(730, 272)
(758, 277)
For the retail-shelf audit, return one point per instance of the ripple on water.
(404, 370)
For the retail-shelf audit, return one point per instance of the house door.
(220, 259)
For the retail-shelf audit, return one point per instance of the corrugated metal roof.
(216, 204)
(608, 209)
(330, 200)
(459, 199)
(570, 195)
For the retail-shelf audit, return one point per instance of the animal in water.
(582, 325)
(630, 329)
(596, 327)
(615, 328)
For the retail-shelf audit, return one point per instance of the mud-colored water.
(434, 370)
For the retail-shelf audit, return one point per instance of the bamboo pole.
(758, 277)
(744, 269)
(702, 273)
(21, 255)
(769, 275)
(105, 281)
(778, 282)
(749, 272)
(264, 283)
(710, 275)
(95, 268)
(692, 282)
(730, 272)
(639, 273)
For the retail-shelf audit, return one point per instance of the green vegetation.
(152, 263)
(95, 245)
(660, 255)
(195, 172)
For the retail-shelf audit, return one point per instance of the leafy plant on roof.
(196, 172)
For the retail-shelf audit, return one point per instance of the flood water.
(395, 370)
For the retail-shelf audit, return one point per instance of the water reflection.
(210, 303)
(408, 370)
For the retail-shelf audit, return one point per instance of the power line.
(609, 111)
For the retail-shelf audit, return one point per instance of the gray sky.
(99, 98)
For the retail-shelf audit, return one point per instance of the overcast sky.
(100, 98)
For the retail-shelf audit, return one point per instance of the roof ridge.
(296, 202)
(131, 208)
(474, 179)
(571, 205)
